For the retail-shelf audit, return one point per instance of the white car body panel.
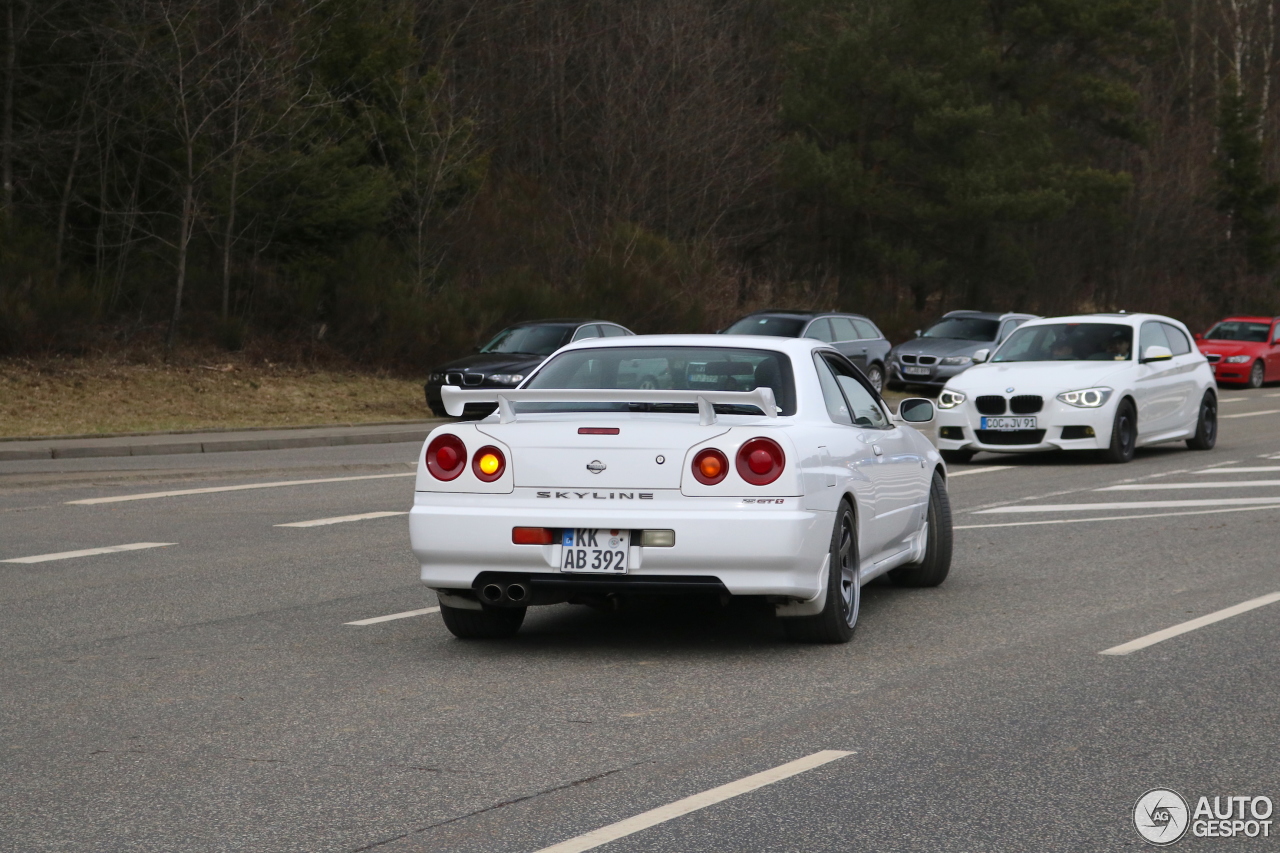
(1166, 394)
(768, 540)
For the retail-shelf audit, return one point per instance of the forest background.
(392, 180)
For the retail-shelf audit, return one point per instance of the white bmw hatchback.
(741, 466)
(1081, 383)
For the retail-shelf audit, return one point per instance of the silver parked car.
(853, 335)
(947, 347)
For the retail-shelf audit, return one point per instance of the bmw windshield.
(666, 368)
(1236, 330)
(779, 327)
(1068, 342)
(964, 329)
(534, 340)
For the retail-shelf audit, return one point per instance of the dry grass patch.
(99, 395)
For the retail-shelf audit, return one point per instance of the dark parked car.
(511, 356)
(948, 347)
(852, 334)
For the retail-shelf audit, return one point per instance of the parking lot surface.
(232, 652)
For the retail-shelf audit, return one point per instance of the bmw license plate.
(595, 551)
(915, 371)
(1008, 423)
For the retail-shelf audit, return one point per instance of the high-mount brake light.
(710, 466)
(488, 463)
(532, 536)
(598, 430)
(446, 457)
(760, 461)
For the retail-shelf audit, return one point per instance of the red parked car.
(1243, 350)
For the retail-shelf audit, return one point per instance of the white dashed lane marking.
(1191, 625)
(662, 814)
(342, 519)
(1131, 505)
(1264, 469)
(1251, 414)
(408, 613)
(1210, 484)
(88, 552)
(969, 471)
(147, 496)
(1113, 517)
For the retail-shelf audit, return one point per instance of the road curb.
(61, 450)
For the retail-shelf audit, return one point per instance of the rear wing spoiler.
(456, 399)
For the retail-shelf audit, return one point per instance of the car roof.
(790, 346)
(988, 315)
(1246, 318)
(562, 321)
(1126, 319)
(781, 312)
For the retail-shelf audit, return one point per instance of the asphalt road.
(208, 694)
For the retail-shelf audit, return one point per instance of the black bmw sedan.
(513, 353)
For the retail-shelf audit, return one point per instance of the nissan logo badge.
(595, 466)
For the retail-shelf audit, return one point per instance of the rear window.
(666, 368)
(781, 327)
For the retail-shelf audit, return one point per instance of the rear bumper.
(751, 549)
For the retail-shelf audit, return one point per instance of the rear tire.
(1257, 375)
(933, 569)
(1124, 434)
(1206, 425)
(491, 623)
(875, 375)
(839, 616)
(957, 457)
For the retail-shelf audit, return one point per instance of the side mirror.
(981, 355)
(915, 410)
(917, 333)
(1199, 336)
(1156, 353)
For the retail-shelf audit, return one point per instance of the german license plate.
(915, 371)
(595, 551)
(1008, 423)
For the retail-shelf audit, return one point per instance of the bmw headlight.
(956, 360)
(1086, 398)
(436, 377)
(1236, 359)
(949, 399)
(506, 378)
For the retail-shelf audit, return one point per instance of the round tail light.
(488, 463)
(446, 457)
(710, 466)
(760, 461)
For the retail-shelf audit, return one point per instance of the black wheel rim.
(846, 556)
(1126, 433)
(1209, 420)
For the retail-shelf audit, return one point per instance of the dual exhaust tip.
(509, 593)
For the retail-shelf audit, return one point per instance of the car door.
(844, 463)
(1186, 359)
(848, 341)
(1157, 390)
(896, 470)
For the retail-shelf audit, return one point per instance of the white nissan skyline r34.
(735, 465)
(1103, 382)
